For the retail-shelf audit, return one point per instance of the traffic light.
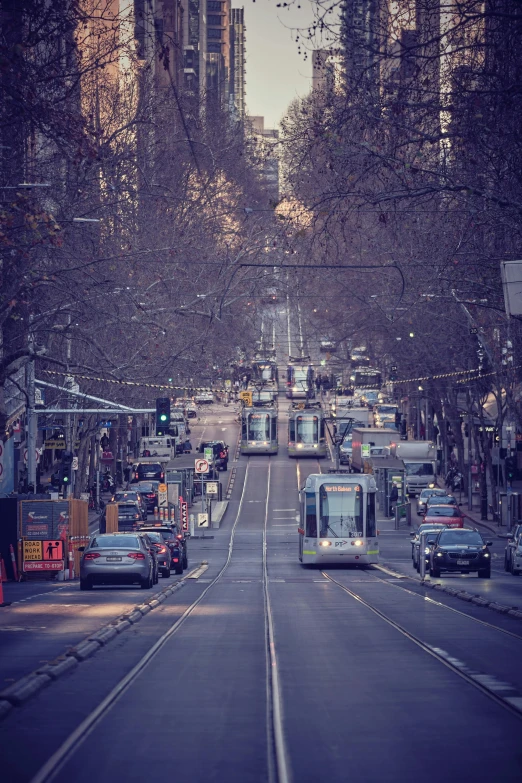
(162, 415)
(511, 467)
(65, 472)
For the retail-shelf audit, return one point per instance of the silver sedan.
(116, 558)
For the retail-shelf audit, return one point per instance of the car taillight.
(91, 556)
(136, 516)
(175, 559)
(162, 548)
(162, 476)
(179, 536)
(151, 496)
(136, 555)
(136, 476)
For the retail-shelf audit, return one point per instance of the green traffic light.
(65, 479)
(163, 417)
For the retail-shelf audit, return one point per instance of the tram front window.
(307, 429)
(341, 511)
(258, 426)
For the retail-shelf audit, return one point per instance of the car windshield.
(121, 542)
(154, 467)
(146, 487)
(460, 537)
(341, 511)
(445, 500)
(119, 496)
(442, 511)
(426, 528)
(307, 429)
(127, 508)
(418, 468)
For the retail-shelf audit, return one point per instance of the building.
(264, 142)
(327, 69)
(237, 61)
(206, 49)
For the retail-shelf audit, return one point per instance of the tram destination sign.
(340, 488)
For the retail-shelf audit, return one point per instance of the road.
(262, 670)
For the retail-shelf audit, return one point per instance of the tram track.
(486, 684)
(278, 767)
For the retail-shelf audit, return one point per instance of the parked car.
(451, 515)
(462, 550)
(175, 540)
(512, 563)
(116, 558)
(161, 550)
(129, 516)
(428, 493)
(149, 492)
(142, 471)
(125, 495)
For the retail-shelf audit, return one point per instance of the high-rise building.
(264, 141)
(327, 69)
(237, 61)
(207, 49)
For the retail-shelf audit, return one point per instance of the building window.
(214, 33)
(214, 47)
(213, 5)
(215, 21)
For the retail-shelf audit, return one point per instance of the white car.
(204, 398)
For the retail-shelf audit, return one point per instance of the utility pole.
(32, 416)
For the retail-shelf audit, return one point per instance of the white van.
(157, 449)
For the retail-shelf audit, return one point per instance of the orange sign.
(53, 550)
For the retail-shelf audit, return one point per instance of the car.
(176, 540)
(515, 538)
(149, 492)
(219, 451)
(123, 495)
(415, 534)
(463, 551)
(116, 558)
(345, 450)
(161, 550)
(141, 471)
(191, 411)
(129, 516)
(440, 500)
(428, 493)
(429, 529)
(326, 345)
(204, 398)
(451, 515)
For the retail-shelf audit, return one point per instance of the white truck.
(157, 449)
(350, 418)
(420, 463)
(364, 438)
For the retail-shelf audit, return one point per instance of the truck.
(157, 449)
(363, 438)
(349, 418)
(420, 463)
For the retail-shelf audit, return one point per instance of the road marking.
(285, 509)
(387, 571)
(197, 572)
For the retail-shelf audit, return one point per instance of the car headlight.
(439, 554)
(486, 554)
(325, 543)
(426, 550)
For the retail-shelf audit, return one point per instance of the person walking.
(394, 497)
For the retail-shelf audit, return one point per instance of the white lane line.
(387, 571)
(284, 509)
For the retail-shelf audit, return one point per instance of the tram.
(337, 519)
(259, 430)
(367, 378)
(306, 430)
(300, 379)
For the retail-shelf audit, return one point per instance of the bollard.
(155, 512)
(3, 574)
(13, 561)
(71, 561)
(2, 603)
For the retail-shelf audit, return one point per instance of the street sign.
(32, 550)
(246, 396)
(365, 449)
(203, 520)
(201, 466)
(184, 516)
(43, 565)
(163, 500)
(74, 464)
(53, 550)
(54, 444)
(208, 454)
(212, 488)
(228, 384)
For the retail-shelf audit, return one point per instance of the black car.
(219, 452)
(459, 549)
(121, 496)
(147, 470)
(129, 516)
(176, 542)
(161, 550)
(149, 492)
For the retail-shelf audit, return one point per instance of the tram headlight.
(359, 542)
(325, 543)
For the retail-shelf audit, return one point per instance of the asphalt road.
(263, 670)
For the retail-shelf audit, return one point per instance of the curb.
(22, 690)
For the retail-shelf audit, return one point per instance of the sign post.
(201, 466)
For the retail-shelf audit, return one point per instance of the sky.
(275, 72)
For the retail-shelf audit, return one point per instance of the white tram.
(259, 430)
(299, 379)
(337, 519)
(306, 430)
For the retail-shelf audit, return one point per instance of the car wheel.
(435, 573)
(484, 573)
(506, 563)
(155, 578)
(165, 573)
(146, 584)
(185, 562)
(514, 570)
(85, 584)
(178, 568)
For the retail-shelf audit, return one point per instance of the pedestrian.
(126, 473)
(394, 497)
(187, 448)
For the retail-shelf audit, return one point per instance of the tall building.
(237, 61)
(264, 141)
(207, 49)
(327, 69)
